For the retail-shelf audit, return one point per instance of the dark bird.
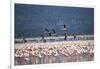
(44, 40)
(74, 36)
(47, 30)
(24, 39)
(53, 31)
(49, 33)
(42, 36)
(65, 37)
(64, 26)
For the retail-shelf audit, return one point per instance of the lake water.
(31, 20)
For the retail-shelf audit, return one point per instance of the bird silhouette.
(42, 36)
(48, 31)
(64, 26)
(54, 31)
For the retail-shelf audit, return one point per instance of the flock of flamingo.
(54, 52)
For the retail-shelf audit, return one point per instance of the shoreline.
(54, 38)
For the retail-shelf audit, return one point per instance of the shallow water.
(53, 59)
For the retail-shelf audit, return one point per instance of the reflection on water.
(53, 59)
